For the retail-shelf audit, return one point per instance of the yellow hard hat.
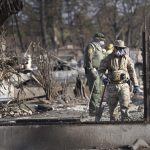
(109, 46)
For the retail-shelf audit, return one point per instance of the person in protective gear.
(94, 53)
(120, 69)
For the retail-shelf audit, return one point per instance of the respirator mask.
(102, 43)
(120, 51)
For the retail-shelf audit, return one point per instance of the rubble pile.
(37, 93)
(30, 84)
(7, 110)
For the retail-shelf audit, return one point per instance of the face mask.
(102, 43)
(120, 52)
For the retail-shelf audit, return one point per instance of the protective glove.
(136, 89)
(94, 73)
(105, 81)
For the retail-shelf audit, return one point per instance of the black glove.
(105, 81)
(136, 89)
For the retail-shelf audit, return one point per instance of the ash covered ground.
(66, 106)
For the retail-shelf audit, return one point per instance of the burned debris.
(34, 85)
(41, 85)
(41, 81)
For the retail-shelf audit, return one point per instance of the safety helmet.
(119, 43)
(109, 46)
(99, 36)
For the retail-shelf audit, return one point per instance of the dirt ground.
(67, 106)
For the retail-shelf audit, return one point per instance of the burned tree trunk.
(19, 33)
(43, 23)
(79, 90)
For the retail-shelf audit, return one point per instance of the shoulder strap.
(97, 46)
(93, 46)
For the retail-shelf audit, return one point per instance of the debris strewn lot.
(64, 107)
(33, 91)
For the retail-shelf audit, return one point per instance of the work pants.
(118, 93)
(95, 87)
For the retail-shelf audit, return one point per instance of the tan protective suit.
(120, 70)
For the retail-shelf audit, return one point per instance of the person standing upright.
(120, 69)
(94, 53)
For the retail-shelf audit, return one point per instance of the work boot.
(99, 112)
(124, 115)
(112, 118)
